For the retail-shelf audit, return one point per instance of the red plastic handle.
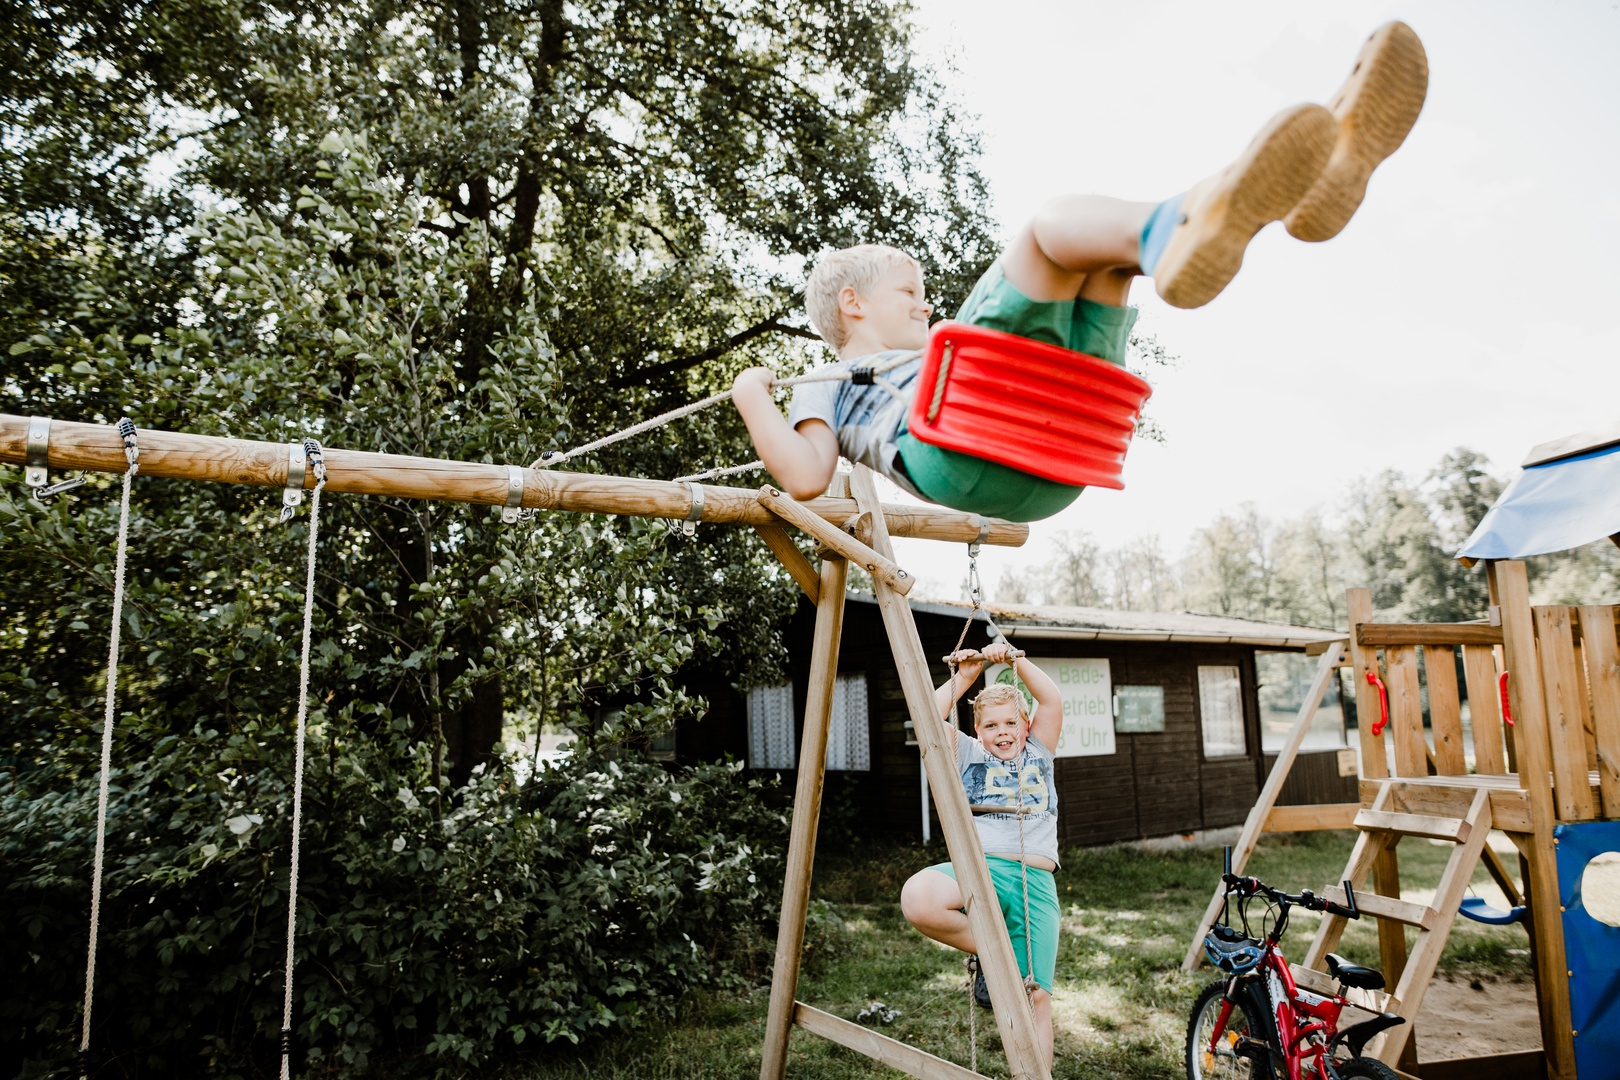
(1383, 704)
(1507, 711)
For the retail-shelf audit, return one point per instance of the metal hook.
(293, 493)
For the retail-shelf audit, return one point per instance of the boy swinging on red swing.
(1064, 280)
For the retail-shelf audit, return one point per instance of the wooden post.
(1598, 643)
(806, 814)
(1510, 592)
(98, 448)
(1326, 670)
(1014, 1019)
(1445, 710)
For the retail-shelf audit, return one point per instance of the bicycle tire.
(1364, 1068)
(1248, 1017)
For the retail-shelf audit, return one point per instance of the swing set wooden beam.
(176, 455)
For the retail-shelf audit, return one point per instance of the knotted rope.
(132, 453)
(312, 451)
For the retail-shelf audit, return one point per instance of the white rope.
(128, 431)
(717, 473)
(298, 760)
(827, 374)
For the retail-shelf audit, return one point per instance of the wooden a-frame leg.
(1014, 1018)
(806, 815)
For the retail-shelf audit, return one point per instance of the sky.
(1471, 302)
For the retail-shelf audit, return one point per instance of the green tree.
(473, 230)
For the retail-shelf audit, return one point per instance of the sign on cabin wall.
(1088, 703)
(1138, 710)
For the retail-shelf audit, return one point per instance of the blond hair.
(859, 267)
(1000, 694)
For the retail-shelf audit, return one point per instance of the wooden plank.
(1405, 711)
(1603, 679)
(1484, 709)
(1514, 1066)
(789, 555)
(879, 566)
(1363, 855)
(1510, 811)
(1428, 634)
(1326, 671)
(1510, 593)
(1310, 819)
(1364, 661)
(1445, 710)
(98, 448)
(1566, 734)
(1014, 1019)
(1431, 941)
(879, 1047)
(1385, 907)
(1435, 828)
(806, 814)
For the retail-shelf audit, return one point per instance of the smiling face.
(1001, 729)
(895, 314)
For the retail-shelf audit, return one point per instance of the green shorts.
(1007, 878)
(974, 485)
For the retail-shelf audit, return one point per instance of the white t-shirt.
(867, 419)
(989, 781)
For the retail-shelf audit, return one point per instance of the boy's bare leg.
(1070, 239)
(1191, 245)
(932, 902)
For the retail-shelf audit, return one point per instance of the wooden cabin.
(1169, 717)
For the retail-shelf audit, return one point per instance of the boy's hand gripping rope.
(132, 453)
(312, 455)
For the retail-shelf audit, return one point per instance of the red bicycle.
(1256, 1022)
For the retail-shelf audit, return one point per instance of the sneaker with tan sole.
(1374, 109)
(1220, 215)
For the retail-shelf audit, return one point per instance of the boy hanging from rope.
(1065, 280)
(1008, 764)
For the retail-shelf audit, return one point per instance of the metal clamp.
(695, 515)
(513, 511)
(36, 471)
(293, 493)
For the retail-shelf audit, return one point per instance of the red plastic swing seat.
(1038, 408)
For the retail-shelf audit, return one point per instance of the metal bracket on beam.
(695, 515)
(36, 470)
(293, 494)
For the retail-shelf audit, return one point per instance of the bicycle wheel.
(1365, 1068)
(1246, 1026)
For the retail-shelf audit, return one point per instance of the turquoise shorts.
(1007, 878)
(974, 485)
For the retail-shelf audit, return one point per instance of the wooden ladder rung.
(1387, 907)
(1438, 828)
(879, 1047)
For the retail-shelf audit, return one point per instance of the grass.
(1121, 999)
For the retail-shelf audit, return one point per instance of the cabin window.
(849, 740)
(1220, 710)
(770, 727)
(1286, 679)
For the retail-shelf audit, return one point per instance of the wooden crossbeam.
(98, 448)
(879, 1047)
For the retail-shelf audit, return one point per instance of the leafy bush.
(567, 907)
